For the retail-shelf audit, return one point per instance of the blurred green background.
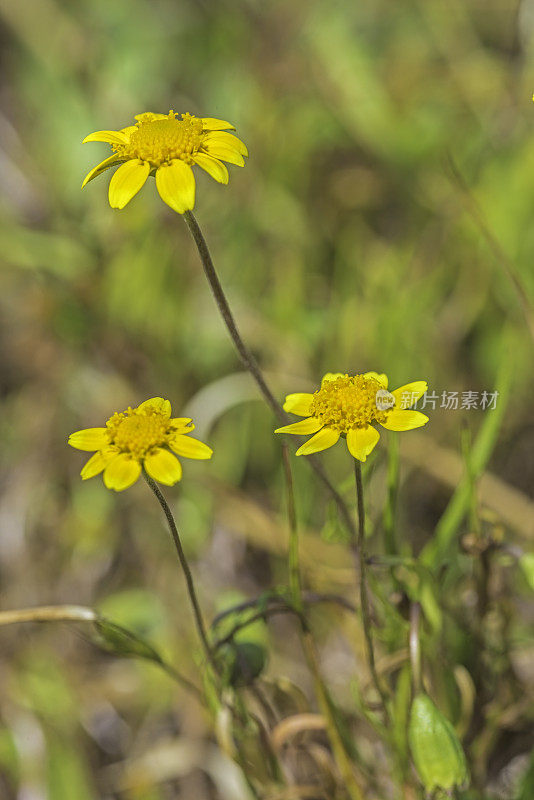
(345, 244)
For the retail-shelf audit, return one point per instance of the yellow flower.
(347, 405)
(139, 437)
(167, 147)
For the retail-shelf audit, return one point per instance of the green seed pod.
(436, 750)
(242, 662)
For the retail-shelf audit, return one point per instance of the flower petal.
(176, 185)
(212, 124)
(163, 467)
(406, 396)
(298, 403)
(227, 140)
(98, 462)
(361, 441)
(111, 137)
(378, 376)
(325, 438)
(150, 116)
(129, 130)
(224, 153)
(159, 403)
(399, 420)
(89, 439)
(121, 472)
(182, 424)
(331, 376)
(215, 168)
(304, 426)
(127, 181)
(102, 167)
(189, 447)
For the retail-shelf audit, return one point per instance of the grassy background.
(346, 243)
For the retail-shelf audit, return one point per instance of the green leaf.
(9, 757)
(526, 562)
(437, 550)
(420, 585)
(138, 610)
(66, 773)
(333, 530)
(401, 708)
(116, 639)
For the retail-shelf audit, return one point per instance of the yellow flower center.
(351, 401)
(159, 141)
(138, 431)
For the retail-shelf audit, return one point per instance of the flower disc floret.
(348, 402)
(159, 141)
(139, 432)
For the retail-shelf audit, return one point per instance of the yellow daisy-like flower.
(167, 146)
(139, 437)
(348, 405)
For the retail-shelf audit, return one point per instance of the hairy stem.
(364, 598)
(295, 587)
(199, 621)
(308, 646)
(390, 538)
(248, 360)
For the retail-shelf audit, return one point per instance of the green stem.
(309, 598)
(506, 264)
(364, 598)
(321, 690)
(199, 621)
(247, 359)
(390, 510)
(295, 586)
(325, 705)
(415, 647)
(466, 445)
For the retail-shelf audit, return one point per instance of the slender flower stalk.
(308, 646)
(199, 620)
(295, 586)
(325, 704)
(359, 547)
(247, 359)
(389, 516)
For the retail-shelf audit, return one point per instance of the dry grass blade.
(291, 726)
(48, 614)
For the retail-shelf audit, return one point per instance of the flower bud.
(436, 751)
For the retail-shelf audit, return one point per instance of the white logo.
(384, 400)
